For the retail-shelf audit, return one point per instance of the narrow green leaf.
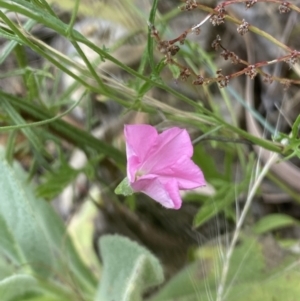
(28, 75)
(295, 128)
(207, 163)
(74, 135)
(150, 41)
(273, 222)
(212, 206)
(57, 181)
(124, 188)
(10, 146)
(129, 270)
(73, 17)
(226, 194)
(35, 141)
(17, 72)
(44, 4)
(9, 47)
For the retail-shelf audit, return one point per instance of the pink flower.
(159, 165)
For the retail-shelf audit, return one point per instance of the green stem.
(73, 18)
(31, 11)
(65, 130)
(9, 47)
(26, 40)
(42, 122)
(150, 40)
(89, 65)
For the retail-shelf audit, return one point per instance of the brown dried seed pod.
(173, 49)
(189, 5)
(163, 46)
(251, 72)
(216, 19)
(249, 4)
(284, 8)
(243, 28)
(224, 81)
(268, 79)
(185, 74)
(198, 81)
(216, 43)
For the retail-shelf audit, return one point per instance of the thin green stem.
(240, 221)
(73, 18)
(43, 122)
(9, 47)
(44, 4)
(26, 40)
(150, 41)
(65, 130)
(89, 66)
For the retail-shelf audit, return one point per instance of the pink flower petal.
(139, 140)
(187, 174)
(166, 194)
(170, 146)
(133, 164)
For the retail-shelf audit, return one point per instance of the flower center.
(138, 174)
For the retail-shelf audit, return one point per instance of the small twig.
(225, 140)
(217, 16)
